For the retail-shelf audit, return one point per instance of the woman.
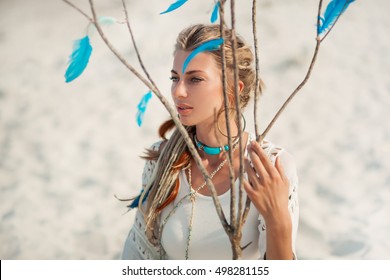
(173, 224)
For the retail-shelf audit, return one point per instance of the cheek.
(213, 102)
(218, 94)
(172, 88)
(172, 95)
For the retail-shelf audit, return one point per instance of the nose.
(179, 90)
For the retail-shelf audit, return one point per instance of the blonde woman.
(172, 224)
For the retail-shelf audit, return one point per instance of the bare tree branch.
(337, 19)
(224, 87)
(318, 17)
(78, 9)
(135, 45)
(256, 45)
(236, 219)
(256, 98)
(300, 86)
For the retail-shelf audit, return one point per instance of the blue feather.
(214, 15)
(174, 6)
(103, 20)
(135, 202)
(334, 9)
(79, 58)
(142, 107)
(211, 45)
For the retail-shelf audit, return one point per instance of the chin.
(186, 121)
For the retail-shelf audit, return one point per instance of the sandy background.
(67, 149)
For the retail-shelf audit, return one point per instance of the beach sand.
(67, 149)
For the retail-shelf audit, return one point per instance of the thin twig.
(233, 214)
(256, 94)
(78, 9)
(236, 224)
(225, 94)
(246, 212)
(337, 19)
(224, 88)
(318, 17)
(135, 45)
(95, 22)
(256, 45)
(300, 86)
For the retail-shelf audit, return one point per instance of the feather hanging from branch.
(79, 58)
(135, 202)
(214, 15)
(104, 20)
(211, 45)
(174, 6)
(334, 10)
(142, 107)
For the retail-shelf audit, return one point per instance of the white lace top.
(208, 238)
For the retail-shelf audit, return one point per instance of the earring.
(219, 129)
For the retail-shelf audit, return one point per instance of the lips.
(183, 109)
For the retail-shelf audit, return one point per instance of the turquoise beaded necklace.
(212, 150)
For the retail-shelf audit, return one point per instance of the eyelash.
(193, 80)
(196, 80)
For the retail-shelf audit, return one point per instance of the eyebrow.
(188, 72)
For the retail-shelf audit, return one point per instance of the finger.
(248, 188)
(252, 176)
(266, 162)
(280, 168)
(257, 163)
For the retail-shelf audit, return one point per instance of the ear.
(240, 86)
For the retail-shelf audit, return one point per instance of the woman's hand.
(267, 185)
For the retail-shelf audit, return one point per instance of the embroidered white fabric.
(208, 238)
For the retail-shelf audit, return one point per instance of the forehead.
(202, 61)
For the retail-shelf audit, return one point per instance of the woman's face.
(197, 93)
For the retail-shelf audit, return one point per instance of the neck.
(212, 137)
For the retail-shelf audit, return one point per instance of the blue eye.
(196, 80)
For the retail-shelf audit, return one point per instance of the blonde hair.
(163, 186)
